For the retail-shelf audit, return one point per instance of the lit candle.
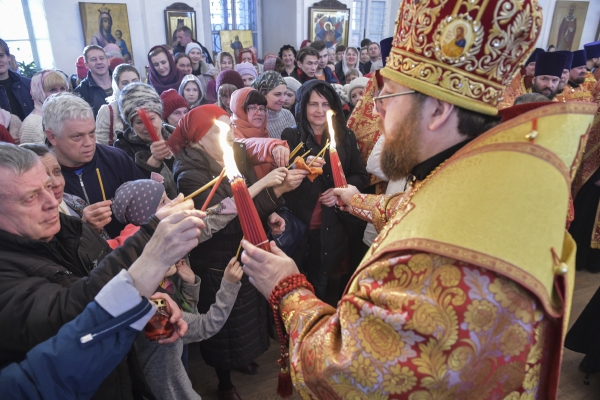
(339, 179)
(251, 224)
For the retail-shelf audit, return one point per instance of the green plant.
(27, 70)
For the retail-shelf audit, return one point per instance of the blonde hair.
(54, 80)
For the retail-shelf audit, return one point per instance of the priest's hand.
(346, 193)
(266, 269)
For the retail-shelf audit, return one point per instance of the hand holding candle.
(249, 219)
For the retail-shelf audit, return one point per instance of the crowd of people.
(97, 164)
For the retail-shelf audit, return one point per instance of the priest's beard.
(549, 93)
(400, 148)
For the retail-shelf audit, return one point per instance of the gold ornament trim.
(481, 79)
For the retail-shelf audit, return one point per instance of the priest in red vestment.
(466, 291)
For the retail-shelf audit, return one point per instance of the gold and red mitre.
(464, 52)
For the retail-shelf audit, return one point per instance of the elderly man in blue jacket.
(15, 89)
(71, 131)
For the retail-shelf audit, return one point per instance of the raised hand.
(281, 154)
(233, 272)
(97, 215)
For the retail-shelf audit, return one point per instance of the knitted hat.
(136, 201)
(269, 64)
(292, 83)
(534, 55)
(550, 63)
(136, 95)
(463, 53)
(579, 59)
(171, 101)
(229, 76)
(246, 68)
(357, 82)
(81, 68)
(592, 50)
(194, 125)
(190, 46)
(268, 81)
(569, 59)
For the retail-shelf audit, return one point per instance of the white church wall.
(146, 26)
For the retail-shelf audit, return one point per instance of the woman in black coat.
(244, 336)
(332, 233)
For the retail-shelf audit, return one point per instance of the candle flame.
(228, 158)
(330, 115)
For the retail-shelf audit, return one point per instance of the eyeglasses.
(387, 96)
(255, 109)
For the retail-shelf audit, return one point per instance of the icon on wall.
(329, 21)
(178, 15)
(567, 24)
(105, 24)
(234, 41)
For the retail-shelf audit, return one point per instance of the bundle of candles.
(339, 179)
(251, 224)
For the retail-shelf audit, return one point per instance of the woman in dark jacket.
(136, 142)
(332, 233)
(244, 336)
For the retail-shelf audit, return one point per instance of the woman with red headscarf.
(164, 74)
(199, 159)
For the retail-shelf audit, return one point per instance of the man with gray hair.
(70, 128)
(53, 265)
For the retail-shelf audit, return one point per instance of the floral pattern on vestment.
(419, 326)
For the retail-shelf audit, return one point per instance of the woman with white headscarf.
(109, 121)
(349, 61)
(43, 84)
